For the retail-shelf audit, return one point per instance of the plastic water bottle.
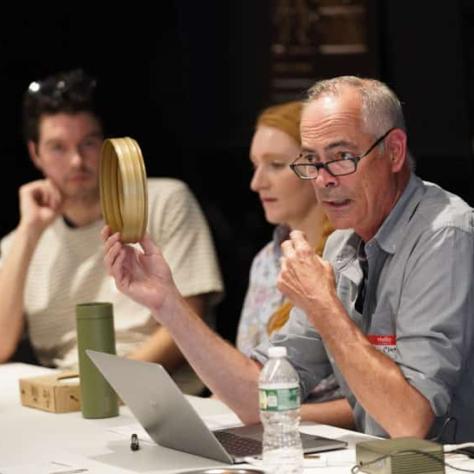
(280, 414)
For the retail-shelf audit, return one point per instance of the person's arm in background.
(178, 225)
(333, 412)
(160, 347)
(40, 204)
(145, 277)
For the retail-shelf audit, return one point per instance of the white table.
(31, 440)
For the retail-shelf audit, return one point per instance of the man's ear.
(396, 144)
(33, 152)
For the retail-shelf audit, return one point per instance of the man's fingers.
(54, 196)
(148, 246)
(113, 248)
(300, 243)
(105, 233)
(117, 264)
(284, 270)
(110, 241)
(297, 234)
(287, 249)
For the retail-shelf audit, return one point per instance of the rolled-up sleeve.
(306, 351)
(434, 323)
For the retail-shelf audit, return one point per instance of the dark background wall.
(187, 83)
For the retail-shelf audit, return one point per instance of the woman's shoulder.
(272, 249)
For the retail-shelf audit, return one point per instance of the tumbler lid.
(96, 310)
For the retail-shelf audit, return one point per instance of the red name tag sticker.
(384, 343)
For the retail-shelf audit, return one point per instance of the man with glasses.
(53, 259)
(388, 309)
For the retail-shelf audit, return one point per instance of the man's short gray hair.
(381, 108)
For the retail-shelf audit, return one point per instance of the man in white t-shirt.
(53, 259)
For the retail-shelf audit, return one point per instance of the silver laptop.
(171, 421)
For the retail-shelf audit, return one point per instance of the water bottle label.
(282, 399)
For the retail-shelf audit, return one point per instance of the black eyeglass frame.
(355, 159)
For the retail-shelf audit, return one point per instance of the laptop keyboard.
(238, 446)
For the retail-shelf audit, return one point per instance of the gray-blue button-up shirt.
(418, 309)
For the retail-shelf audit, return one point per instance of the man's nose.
(76, 158)
(324, 179)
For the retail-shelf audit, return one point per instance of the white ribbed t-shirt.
(67, 268)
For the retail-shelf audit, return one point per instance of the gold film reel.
(123, 188)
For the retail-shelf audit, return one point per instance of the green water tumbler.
(95, 330)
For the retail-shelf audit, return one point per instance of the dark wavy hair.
(68, 92)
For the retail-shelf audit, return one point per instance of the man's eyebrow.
(94, 134)
(340, 143)
(331, 146)
(54, 140)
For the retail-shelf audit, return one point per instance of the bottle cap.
(276, 351)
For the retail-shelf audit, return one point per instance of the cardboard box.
(57, 393)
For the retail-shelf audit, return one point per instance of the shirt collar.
(393, 229)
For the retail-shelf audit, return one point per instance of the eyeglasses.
(305, 168)
(72, 83)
